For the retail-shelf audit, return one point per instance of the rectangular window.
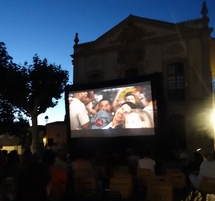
(176, 81)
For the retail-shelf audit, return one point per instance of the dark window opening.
(176, 89)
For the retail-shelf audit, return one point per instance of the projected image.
(121, 107)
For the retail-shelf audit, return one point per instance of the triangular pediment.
(135, 29)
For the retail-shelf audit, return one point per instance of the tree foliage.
(32, 88)
(11, 120)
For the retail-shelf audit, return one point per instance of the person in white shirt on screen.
(79, 118)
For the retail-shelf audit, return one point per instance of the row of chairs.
(165, 187)
(206, 189)
(119, 182)
(162, 187)
(122, 181)
(171, 186)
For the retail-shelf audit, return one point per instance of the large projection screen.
(111, 109)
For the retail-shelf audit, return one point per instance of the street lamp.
(46, 119)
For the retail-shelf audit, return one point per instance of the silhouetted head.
(147, 152)
(48, 157)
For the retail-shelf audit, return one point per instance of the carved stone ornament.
(131, 34)
(131, 55)
(94, 63)
(175, 49)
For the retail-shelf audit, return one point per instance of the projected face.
(121, 112)
(133, 121)
(81, 96)
(105, 105)
(130, 98)
(143, 99)
(138, 118)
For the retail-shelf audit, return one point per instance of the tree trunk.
(35, 135)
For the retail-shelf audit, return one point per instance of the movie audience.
(46, 177)
(32, 183)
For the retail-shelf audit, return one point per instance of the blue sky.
(48, 27)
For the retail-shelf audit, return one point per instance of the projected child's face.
(133, 121)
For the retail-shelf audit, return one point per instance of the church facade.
(183, 52)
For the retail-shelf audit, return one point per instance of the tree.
(6, 109)
(33, 88)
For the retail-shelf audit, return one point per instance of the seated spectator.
(207, 168)
(26, 158)
(4, 152)
(2, 163)
(194, 165)
(61, 160)
(81, 162)
(12, 164)
(184, 162)
(132, 160)
(147, 162)
(32, 183)
(99, 158)
(58, 176)
(171, 162)
(100, 166)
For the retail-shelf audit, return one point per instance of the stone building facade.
(56, 133)
(183, 52)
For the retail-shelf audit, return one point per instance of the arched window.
(176, 89)
(131, 72)
(94, 77)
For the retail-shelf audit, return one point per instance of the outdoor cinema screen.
(111, 111)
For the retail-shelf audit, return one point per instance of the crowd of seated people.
(54, 171)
